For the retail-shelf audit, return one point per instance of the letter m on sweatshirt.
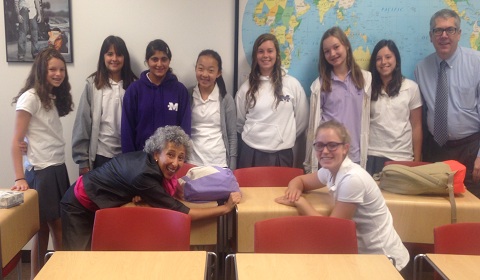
(172, 106)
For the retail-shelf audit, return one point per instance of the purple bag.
(209, 183)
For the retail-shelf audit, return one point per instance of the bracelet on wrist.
(19, 179)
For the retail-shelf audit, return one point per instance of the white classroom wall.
(188, 26)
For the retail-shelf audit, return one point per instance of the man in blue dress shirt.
(463, 113)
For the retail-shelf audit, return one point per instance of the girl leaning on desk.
(149, 174)
(357, 196)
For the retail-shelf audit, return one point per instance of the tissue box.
(10, 198)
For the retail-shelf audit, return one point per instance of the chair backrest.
(184, 169)
(140, 229)
(306, 235)
(266, 176)
(461, 239)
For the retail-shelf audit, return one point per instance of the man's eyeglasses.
(331, 146)
(448, 30)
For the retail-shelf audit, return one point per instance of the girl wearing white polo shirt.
(395, 111)
(357, 196)
(40, 104)
(214, 135)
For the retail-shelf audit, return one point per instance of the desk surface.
(258, 204)
(305, 267)
(414, 216)
(457, 266)
(18, 225)
(124, 265)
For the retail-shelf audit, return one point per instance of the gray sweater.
(86, 128)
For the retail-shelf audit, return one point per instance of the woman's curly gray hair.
(168, 134)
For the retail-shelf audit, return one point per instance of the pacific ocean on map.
(300, 24)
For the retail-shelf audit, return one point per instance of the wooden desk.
(18, 225)
(202, 232)
(124, 265)
(314, 266)
(457, 267)
(258, 204)
(414, 217)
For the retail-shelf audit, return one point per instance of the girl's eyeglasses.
(331, 146)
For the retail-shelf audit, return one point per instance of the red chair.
(306, 235)
(459, 239)
(266, 176)
(184, 169)
(140, 229)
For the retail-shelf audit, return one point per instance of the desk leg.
(231, 232)
(231, 267)
(392, 260)
(221, 244)
(211, 269)
(418, 267)
(48, 255)
(235, 229)
(226, 238)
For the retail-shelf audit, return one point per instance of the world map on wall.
(299, 25)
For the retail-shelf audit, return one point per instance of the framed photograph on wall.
(32, 25)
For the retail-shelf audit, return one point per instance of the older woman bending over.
(148, 174)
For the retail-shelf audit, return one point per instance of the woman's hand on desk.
(137, 200)
(300, 184)
(303, 206)
(233, 199)
(20, 185)
(292, 194)
(285, 201)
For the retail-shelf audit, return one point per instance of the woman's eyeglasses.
(331, 146)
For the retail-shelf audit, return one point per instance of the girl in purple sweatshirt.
(155, 100)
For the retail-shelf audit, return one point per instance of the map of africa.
(300, 24)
